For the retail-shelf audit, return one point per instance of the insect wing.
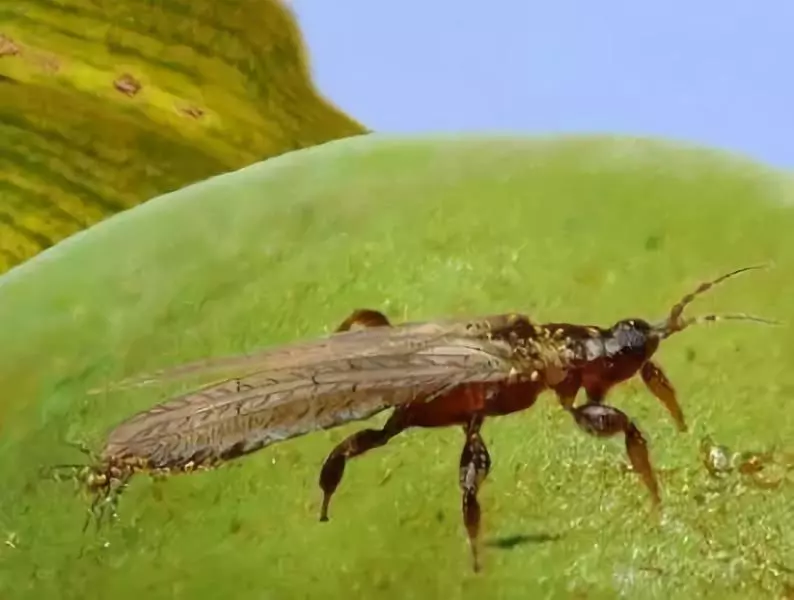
(242, 415)
(348, 344)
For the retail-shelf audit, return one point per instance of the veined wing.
(242, 415)
(381, 341)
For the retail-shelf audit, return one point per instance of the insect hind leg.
(356, 444)
(361, 441)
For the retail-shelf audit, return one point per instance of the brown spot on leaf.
(8, 47)
(128, 85)
(47, 62)
(191, 111)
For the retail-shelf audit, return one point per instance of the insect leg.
(364, 317)
(355, 445)
(475, 463)
(358, 443)
(567, 389)
(660, 386)
(101, 495)
(605, 421)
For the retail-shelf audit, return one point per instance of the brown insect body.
(455, 372)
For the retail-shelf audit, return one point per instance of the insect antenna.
(74, 468)
(675, 323)
(53, 471)
(684, 323)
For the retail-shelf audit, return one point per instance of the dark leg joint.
(600, 420)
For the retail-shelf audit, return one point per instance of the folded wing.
(359, 343)
(293, 390)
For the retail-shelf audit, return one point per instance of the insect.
(453, 372)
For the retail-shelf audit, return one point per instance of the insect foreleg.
(355, 445)
(475, 463)
(660, 386)
(605, 421)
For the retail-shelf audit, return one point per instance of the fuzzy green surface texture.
(586, 230)
(105, 104)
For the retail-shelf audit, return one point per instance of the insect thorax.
(546, 352)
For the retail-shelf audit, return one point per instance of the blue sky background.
(713, 72)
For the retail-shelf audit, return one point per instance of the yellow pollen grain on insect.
(534, 376)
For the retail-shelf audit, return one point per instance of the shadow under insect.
(509, 542)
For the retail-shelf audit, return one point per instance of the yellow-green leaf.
(107, 103)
